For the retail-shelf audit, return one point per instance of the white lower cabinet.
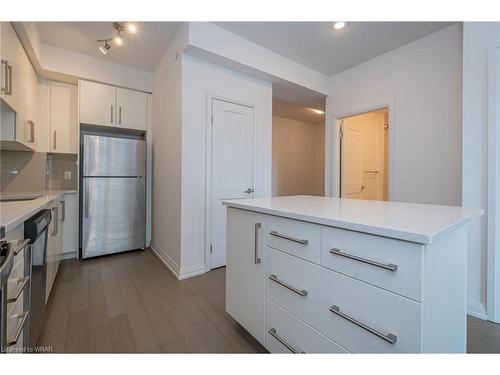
(245, 272)
(287, 334)
(54, 243)
(368, 320)
(330, 290)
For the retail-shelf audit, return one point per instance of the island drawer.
(295, 237)
(358, 316)
(387, 263)
(287, 334)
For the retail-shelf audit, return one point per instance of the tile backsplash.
(23, 171)
(57, 166)
(37, 171)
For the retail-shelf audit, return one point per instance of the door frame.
(211, 96)
(336, 165)
(493, 197)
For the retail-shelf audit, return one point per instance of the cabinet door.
(63, 118)
(131, 111)
(61, 216)
(245, 270)
(97, 104)
(51, 249)
(19, 82)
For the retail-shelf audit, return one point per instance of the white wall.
(423, 81)
(477, 37)
(166, 236)
(199, 79)
(298, 157)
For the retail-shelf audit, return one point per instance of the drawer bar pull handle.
(390, 338)
(274, 333)
(301, 293)
(285, 237)
(256, 258)
(24, 317)
(389, 267)
(21, 246)
(23, 281)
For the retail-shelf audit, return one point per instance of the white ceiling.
(318, 46)
(143, 50)
(297, 112)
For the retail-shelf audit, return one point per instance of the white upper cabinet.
(19, 86)
(97, 104)
(112, 106)
(131, 109)
(63, 118)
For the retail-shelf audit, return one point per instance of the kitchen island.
(315, 274)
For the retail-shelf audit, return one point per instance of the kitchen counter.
(14, 213)
(420, 223)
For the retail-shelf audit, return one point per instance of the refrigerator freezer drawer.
(111, 156)
(113, 215)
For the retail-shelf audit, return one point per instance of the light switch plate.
(67, 175)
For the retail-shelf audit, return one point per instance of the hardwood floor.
(131, 303)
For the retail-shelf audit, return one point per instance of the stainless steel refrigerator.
(113, 187)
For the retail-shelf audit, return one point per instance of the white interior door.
(232, 167)
(362, 158)
(351, 159)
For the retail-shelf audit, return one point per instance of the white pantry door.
(232, 167)
(351, 161)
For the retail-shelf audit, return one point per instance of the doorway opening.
(364, 156)
(298, 150)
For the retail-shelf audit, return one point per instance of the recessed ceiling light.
(318, 111)
(338, 25)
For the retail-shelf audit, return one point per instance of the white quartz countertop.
(14, 213)
(421, 223)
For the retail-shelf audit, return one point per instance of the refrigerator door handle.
(86, 198)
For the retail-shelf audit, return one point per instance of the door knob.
(249, 191)
(363, 187)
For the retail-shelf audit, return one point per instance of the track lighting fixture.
(118, 39)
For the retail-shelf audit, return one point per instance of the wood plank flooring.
(130, 303)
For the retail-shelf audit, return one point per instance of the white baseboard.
(179, 272)
(70, 255)
(476, 309)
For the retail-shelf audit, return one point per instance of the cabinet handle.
(274, 333)
(389, 267)
(63, 215)
(301, 293)
(31, 131)
(9, 91)
(256, 243)
(21, 246)
(55, 139)
(5, 88)
(23, 281)
(120, 115)
(56, 215)
(111, 113)
(289, 238)
(390, 338)
(24, 317)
